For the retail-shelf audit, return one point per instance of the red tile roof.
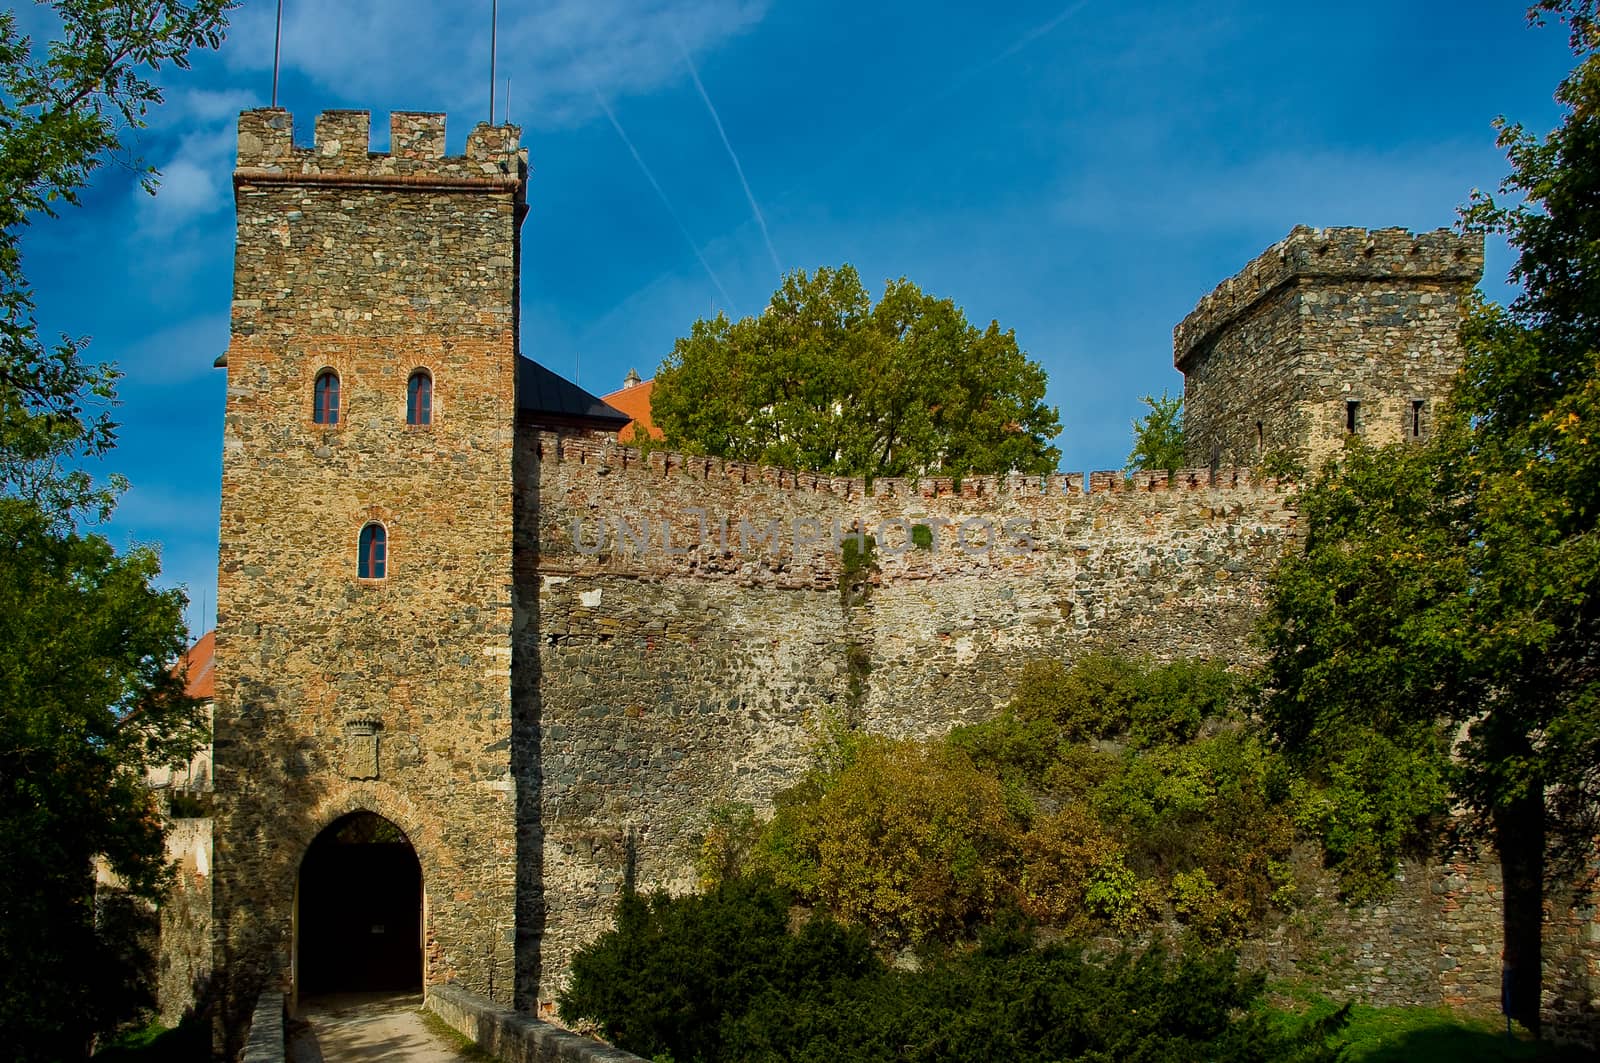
(635, 402)
(198, 661)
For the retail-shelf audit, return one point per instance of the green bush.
(675, 970)
(1211, 820)
(1080, 804)
(1370, 804)
(908, 839)
(731, 831)
(188, 1042)
(718, 977)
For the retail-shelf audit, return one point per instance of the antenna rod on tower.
(277, 46)
(494, 25)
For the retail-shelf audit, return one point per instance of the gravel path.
(366, 1028)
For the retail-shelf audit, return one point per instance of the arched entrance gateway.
(358, 925)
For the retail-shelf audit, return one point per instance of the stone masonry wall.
(371, 265)
(668, 681)
(1571, 1001)
(575, 652)
(669, 670)
(183, 967)
(1433, 941)
(1323, 318)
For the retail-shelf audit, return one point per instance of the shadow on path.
(365, 1028)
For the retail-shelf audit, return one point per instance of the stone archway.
(359, 909)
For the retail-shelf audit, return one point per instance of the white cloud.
(186, 187)
(436, 56)
(194, 179)
(192, 106)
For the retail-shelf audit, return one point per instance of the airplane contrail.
(1010, 50)
(755, 208)
(651, 177)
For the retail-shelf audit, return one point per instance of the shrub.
(1370, 805)
(718, 978)
(908, 839)
(731, 832)
(1092, 699)
(1216, 811)
(675, 969)
(1102, 696)
(1060, 856)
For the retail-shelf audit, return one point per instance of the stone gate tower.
(364, 595)
(1328, 333)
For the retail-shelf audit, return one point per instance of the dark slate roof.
(541, 393)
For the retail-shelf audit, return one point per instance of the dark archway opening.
(360, 918)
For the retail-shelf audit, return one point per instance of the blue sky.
(1082, 173)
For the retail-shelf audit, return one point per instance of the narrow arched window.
(419, 398)
(325, 403)
(374, 552)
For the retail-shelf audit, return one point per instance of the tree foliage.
(1437, 640)
(64, 108)
(1109, 795)
(1158, 435)
(722, 977)
(829, 381)
(909, 840)
(88, 700)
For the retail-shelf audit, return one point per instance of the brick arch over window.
(372, 551)
(419, 397)
(325, 398)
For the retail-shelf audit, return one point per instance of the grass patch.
(465, 1047)
(1429, 1035)
(188, 1042)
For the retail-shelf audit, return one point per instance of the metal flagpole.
(277, 47)
(494, 21)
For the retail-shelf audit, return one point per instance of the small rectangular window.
(1351, 422)
(1416, 418)
(1260, 440)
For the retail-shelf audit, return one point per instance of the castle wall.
(336, 693)
(183, 964)
(1244, 376)
(575, 653)
(667, 682)
(1320, 319)
(662, 683)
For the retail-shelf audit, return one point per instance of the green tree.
(64, 108)
(1158, 435)
(828, 381)
(1439, 638)
(88, 700)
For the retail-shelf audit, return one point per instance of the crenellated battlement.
(341, 153)
(1335, 254)
(611, 456)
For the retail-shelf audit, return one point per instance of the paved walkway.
(366, 1028)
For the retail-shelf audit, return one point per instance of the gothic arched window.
(325, 401)
(374, 550)
(419, 398)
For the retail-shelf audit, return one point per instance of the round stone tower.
(1328, 333)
